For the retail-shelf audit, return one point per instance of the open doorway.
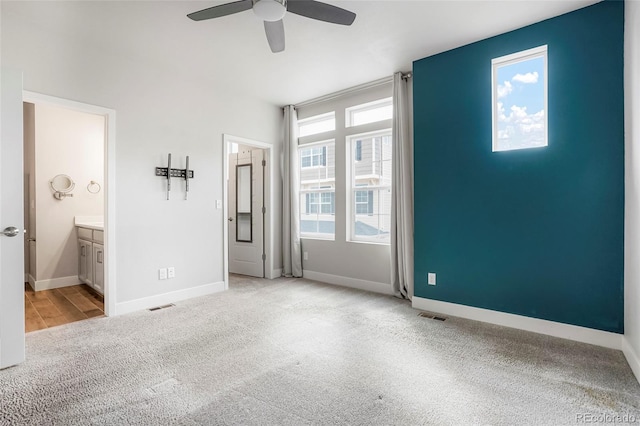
(66, 151)
(248, 195)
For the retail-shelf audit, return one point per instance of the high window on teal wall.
(519, 100)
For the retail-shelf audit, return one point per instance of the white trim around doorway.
(109, 190)
(270, 270)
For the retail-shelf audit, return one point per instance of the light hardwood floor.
(49, 308)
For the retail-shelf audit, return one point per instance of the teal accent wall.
(535, 232)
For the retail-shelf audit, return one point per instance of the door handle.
(230, 219)
(10, 231)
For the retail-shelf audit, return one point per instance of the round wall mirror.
(62, 183)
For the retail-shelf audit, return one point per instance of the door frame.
(269, 198)
(109, 187)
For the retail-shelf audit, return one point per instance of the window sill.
(376, 243)
(317, 237)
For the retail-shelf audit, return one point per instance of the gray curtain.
(402, 193)
(292, 256)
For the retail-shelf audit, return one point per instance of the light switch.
(218, 204)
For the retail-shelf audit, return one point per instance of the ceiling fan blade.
(275, 35)
(221, 10)
(321, 11)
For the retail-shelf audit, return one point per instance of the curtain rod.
(345, 91)
(379, 82)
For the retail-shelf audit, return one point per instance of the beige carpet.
(298, 352)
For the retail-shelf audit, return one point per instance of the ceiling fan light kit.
(272, 12)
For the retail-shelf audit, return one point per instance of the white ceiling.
(320, 58)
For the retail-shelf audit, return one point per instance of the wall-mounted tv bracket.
(185, 174)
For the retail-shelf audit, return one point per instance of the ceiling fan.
(272, 12)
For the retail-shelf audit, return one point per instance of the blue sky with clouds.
(520, 105)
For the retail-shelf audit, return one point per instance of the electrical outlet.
(162, 273)
(171, 272)
(431, 278)
(306, 255)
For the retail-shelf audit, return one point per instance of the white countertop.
(91, 222)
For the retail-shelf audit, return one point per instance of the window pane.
(520, 104)
(317, 189)
(371, 187)
(318, 124)
(372, 220)
(370, 112)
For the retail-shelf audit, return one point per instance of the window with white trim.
(317, 190)
(519, 100)
(349, 130)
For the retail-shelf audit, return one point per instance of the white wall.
(159, 111)
(71, 143)
(632, 186)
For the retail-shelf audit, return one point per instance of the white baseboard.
(54, 283)
(276, 273)
(632, 358)
(376, 287)
(550, 328)
(166, 298)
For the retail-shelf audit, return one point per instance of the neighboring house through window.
(361, 145)
(313, 157)
(317, 190)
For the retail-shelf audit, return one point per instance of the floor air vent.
(431, 316)
(162, 307)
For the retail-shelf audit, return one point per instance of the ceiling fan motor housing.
(270, 10)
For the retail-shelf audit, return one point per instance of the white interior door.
(246, 235)
(12, 350)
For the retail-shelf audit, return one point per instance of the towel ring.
(93, 187)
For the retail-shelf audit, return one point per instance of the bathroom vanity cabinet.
(91, 257)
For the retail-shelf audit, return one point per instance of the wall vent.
(162, 307)
(432, 316)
